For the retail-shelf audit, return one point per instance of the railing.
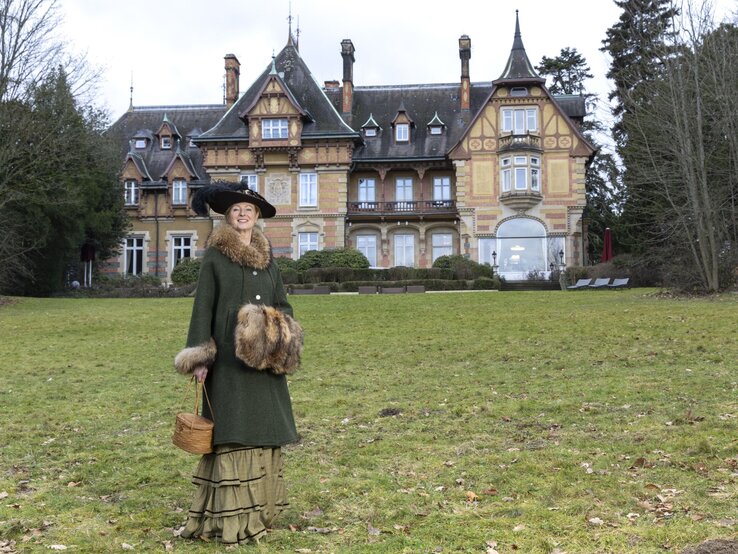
(402, 207)
(511, 142)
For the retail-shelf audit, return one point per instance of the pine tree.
(567, 74)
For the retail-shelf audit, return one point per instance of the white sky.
(174, 48)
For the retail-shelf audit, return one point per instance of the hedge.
(481, 283)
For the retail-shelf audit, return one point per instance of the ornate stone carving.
(278, 189)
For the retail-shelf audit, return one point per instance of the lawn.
(579, 422)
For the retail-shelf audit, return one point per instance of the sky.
(172, 50)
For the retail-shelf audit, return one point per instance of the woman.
(242, 341)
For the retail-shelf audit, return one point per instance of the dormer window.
(166, 143)
(519, 91)
(435, 125)
(402, 132)
(273, 129)
(371, 127)
(140, 143)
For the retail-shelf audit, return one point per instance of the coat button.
(256, 272)
(258, 297)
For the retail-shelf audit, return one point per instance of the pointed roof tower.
(518, 68)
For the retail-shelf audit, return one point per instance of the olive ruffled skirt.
(240, 491)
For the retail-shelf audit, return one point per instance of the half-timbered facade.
(404, 173)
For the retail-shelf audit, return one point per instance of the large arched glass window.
(521, 248)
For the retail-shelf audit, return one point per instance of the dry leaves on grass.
(315, 512)
(322, 530)
(373, 531)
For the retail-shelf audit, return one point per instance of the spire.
(274, 64)
(297, 35)
(290, 38)
(130, 104)
(518, 67)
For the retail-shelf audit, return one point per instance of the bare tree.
(46, 100)
(28, 49)
(679, 153)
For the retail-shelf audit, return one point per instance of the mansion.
(404, 173)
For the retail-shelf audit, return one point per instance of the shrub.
(574, 273)
(486, 283)
(339, 257)
(313, 258)
(186, 271)
(535, 275)
(284, 263)
(290, 276)
(145, 280)
(327, 275)
(463, 267)
(348, 257)
(399, 272)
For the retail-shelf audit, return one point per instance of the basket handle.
(199, 386)
(205, 391)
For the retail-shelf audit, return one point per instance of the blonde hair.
(228, 211)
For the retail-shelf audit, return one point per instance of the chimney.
(347, 53)
(331, 85)
(465, 55)
(233, 72)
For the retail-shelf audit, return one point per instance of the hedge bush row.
(480, 283)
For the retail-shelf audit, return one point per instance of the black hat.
(221, 195)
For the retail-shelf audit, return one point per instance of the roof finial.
(274, 65)
(297, 35)
(130, 104)
(289, 20)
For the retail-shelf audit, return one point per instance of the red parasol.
(607, 246)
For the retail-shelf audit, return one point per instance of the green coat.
(250, 407)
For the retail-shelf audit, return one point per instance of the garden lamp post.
(494, 262)
(562, 273)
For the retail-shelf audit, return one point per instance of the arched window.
(521, 248)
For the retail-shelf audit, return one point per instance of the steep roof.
(422, 103)
(518, 68)
(321, 118)
(144, 122)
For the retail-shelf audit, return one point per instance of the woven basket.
(193, 433)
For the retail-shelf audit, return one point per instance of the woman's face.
(242, 216)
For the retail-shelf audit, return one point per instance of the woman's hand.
(200, 373)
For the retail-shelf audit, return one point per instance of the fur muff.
(268, 339)
(258, 254)
(194, 356)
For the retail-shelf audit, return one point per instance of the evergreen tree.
(639, 45)
(677, 142)
(65, 193)
(567, 73)
(58, 183)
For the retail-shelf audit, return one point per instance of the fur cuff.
(268, 339)
(194, 356)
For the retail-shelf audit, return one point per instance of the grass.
(585, 422)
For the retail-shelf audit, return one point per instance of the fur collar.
(258, 254)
